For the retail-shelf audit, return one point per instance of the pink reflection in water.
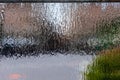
(16, 76)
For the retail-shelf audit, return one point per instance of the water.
(44, 67)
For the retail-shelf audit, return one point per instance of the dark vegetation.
(48, 40)
(106, 66)
(55, 43)
(108, 33)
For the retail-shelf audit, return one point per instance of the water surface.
(44, 67)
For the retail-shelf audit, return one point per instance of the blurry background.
(60, 26)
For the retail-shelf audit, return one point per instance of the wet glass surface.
(54, 41)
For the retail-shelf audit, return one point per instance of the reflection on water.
(15, 76)
(44, 67)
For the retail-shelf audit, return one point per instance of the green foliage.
(108, 34)
(109, 28)
(105, 67)
(104, 45)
